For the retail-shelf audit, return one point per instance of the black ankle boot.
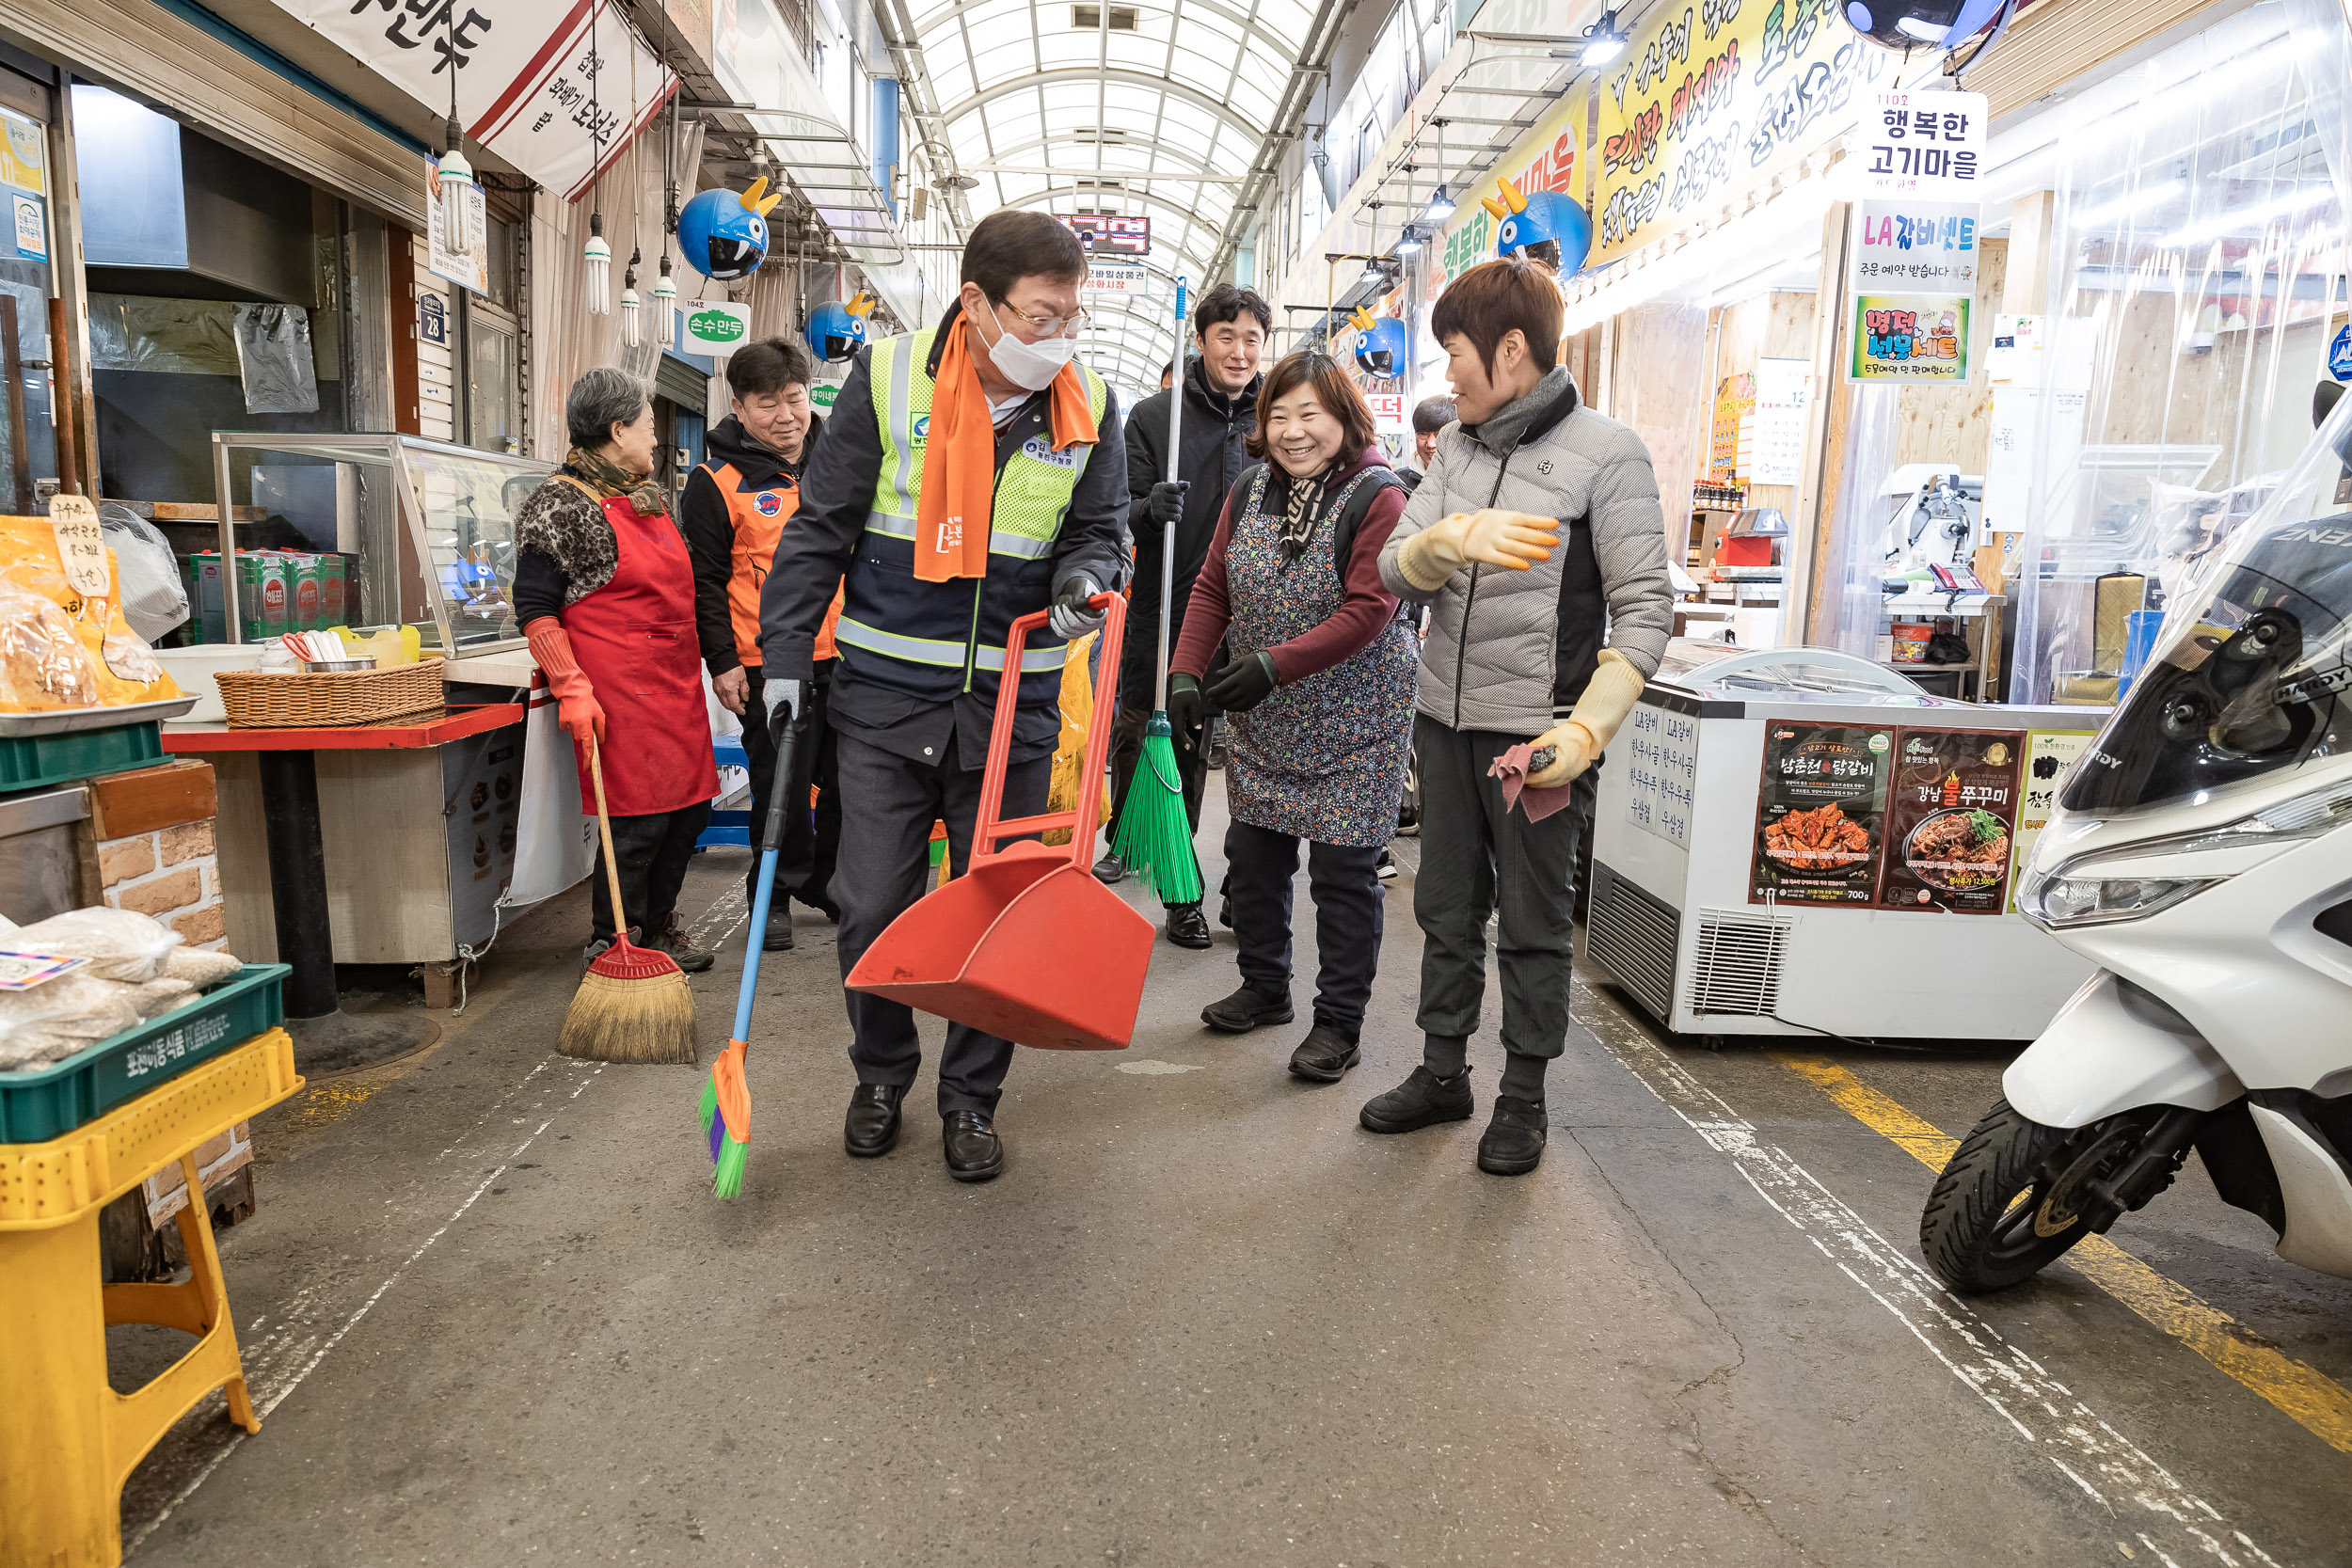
(1423, 1099)
(1514, 1140)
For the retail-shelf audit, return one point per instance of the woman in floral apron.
(1320, 692)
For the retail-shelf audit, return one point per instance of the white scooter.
(2201, 855)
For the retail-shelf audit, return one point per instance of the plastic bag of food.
(154, 597)
(121, 945)
(154, 998)
(200, 968)
(38, 662)
(59, 1016)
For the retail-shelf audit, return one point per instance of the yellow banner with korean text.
(1714, 96)
(1548, 158)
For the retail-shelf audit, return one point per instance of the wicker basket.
(254, 700)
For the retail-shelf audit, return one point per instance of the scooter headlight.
(2077, 895)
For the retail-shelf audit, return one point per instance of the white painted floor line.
(719, 922)
(2112, 1471)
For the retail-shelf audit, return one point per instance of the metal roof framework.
(1154, 121)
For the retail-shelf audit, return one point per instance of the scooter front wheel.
(2009, 1201)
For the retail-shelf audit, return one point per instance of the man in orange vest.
(736, 506)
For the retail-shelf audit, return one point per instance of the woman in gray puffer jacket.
(1537, 540)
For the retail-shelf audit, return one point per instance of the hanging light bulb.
(598, 255)
(664, 306)
(453, 174)
(629, 336)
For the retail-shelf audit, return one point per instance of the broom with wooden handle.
(633, 1005)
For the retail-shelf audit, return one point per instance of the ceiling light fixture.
(1604, 40)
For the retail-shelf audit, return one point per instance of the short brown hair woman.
(1321, 690)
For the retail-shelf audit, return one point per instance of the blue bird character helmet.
(1539, 216)
(724, 235)
(838, 331)
(1380, 344)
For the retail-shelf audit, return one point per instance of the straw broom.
(1154, 831)
(633, 1005)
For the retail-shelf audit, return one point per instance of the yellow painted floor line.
(2310, 1397)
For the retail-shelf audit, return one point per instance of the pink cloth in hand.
(1511, 768)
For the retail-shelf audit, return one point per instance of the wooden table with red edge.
(325, 1038)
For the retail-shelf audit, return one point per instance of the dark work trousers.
(888, 805)
(651, 852)
(1261, 864)
(811, 842)
(1477, 859)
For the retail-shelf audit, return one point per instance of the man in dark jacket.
(1220, 411)
(970, 474)
(735, 509)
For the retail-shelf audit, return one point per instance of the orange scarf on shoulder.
(951, 517)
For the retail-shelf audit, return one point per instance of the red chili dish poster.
(1819, 814)
(1950, 815)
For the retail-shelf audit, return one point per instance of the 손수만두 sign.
(716, 327)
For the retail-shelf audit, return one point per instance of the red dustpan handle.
(991, 826)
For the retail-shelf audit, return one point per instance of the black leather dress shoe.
(1514, 1141)
(974, 1152)
(1187, 927)
(872, 1125)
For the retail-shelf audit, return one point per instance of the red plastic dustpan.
(1026, 944)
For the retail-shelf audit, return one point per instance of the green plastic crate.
(30, 761)
(49, 1102)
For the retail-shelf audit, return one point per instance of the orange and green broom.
(727, 1093)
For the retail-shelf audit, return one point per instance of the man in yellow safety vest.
(971, 473)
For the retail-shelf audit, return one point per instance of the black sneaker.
(1110, 869)
(1245, 1009)
(778, 937)
(1424, 1100)
(1224, 914)
(1325, 1055)
(1385, 867)
(1185, 925)
(1514, 1140)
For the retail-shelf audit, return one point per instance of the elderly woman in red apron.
(605, 591)
(1321, 690)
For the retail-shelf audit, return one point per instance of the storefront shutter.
(2054, 44)
(681, 383)
(147, 50)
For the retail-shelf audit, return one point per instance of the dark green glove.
(1247, 682)
(1185, 710)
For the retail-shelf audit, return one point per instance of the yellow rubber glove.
(1589, 727)
(1492, 536)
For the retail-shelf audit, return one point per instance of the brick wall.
(167, 1191)
(172, 873)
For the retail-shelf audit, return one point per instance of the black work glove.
(1073, 616)
(1187, 712)
(1246, 683)
(1167, 502)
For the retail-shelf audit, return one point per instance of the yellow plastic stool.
(66, 1440)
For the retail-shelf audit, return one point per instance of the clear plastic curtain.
(2195, 271)
(1852, 600)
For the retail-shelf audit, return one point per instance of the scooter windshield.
(2250, 676)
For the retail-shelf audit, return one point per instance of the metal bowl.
(337, 666)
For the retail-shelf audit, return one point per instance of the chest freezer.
(1796, 842)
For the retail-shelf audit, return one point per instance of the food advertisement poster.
(1819, 812)
(1734, 401)
(2048, 755)
(1910, 338)
(1950, 816)
(1714, 96)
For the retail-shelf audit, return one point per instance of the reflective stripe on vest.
(1033, 487)
(945, 654)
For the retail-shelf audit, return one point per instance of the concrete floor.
(492, 1313)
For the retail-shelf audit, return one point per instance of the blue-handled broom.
(726, 1093)
(1154, 829)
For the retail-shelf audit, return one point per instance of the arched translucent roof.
(1047, 112)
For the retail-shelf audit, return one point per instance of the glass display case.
(420, 533)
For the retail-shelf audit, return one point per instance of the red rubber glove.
(577, 709)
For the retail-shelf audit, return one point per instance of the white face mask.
(1032, 366)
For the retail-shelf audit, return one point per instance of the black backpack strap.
(1352, 517)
